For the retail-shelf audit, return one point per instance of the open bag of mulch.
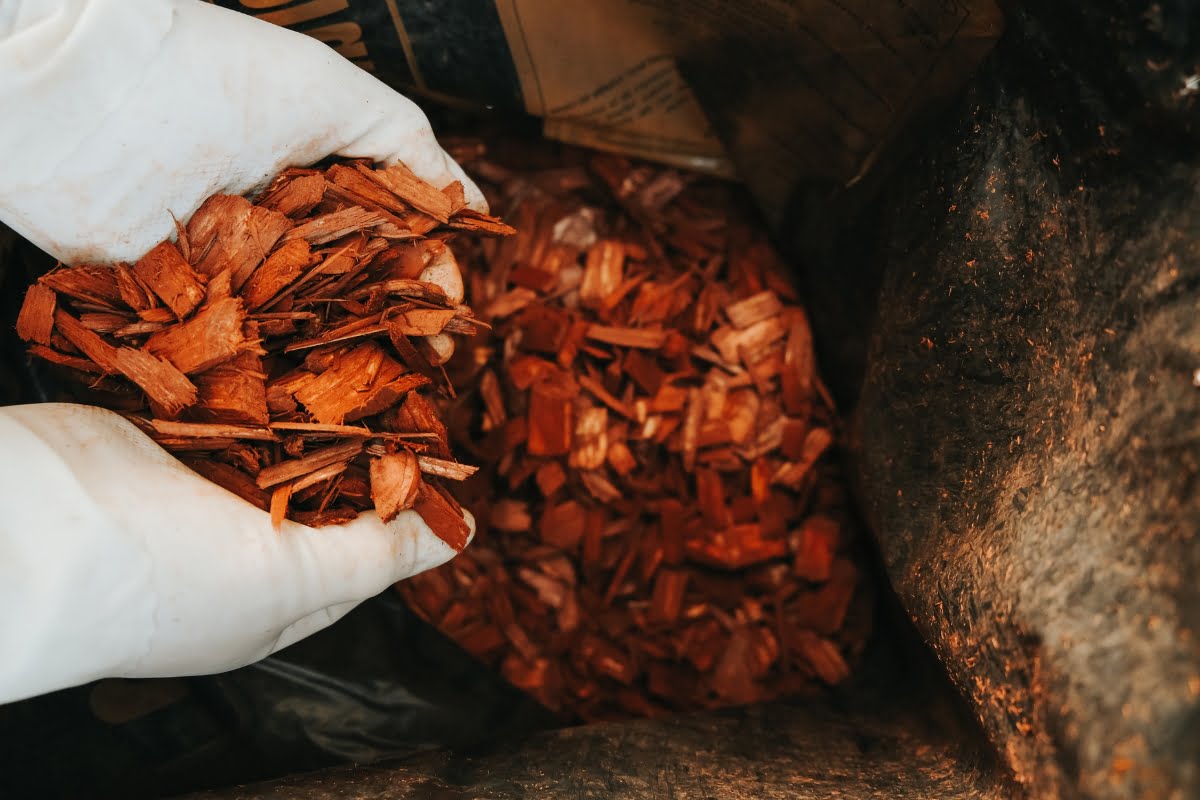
(874, 476)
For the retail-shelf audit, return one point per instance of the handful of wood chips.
(279, 347)
(661, 525)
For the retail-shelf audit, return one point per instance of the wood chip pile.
(277, 346)
(661, 524)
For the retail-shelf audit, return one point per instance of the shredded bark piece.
(322, 475)
(211, 337)
(468, 220)
(400, 181)
(442, 516)
(445, 469)
(650, 338)
(206, 429)
(421, 321)
(279, 504)
(295, 468)
(602, 273)
(233, 392)
(419, 416)
(171, 278)
(162, 382)
(228, 234)
(281, 268)
(366, 190)
(134, 292)
(550, 420)
(87, 283)
(35, 322)
(295, 196)
(363, 382)
(756, 308)
(335, 225)
(395, 480)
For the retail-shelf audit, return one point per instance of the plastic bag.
(378, 684)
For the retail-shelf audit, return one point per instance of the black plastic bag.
(380, 683)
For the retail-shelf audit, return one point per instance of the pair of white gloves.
(116, 560)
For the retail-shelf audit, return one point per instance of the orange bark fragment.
(36, 318)
(395, 481)
(230, 235)
(400, 181)
(233, 392)
(297, 196)
(362, 382)
(171, 278)
(282, 267)
(442, 517)
(88, 283)
(550, 421)
(212, 336)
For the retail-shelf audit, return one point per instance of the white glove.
(118, 113)
(116, 560)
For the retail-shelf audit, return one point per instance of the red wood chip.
(274, 315)
(662, 525)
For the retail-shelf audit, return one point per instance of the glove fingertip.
(422, 549)
(365, 556)
(436, 555)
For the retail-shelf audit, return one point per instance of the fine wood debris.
(661, 524)
(280, 347)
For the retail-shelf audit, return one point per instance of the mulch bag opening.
(1002, 284)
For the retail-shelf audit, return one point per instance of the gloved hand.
(119, 113)
(116, 560)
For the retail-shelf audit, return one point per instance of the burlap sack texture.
(1028, 439)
